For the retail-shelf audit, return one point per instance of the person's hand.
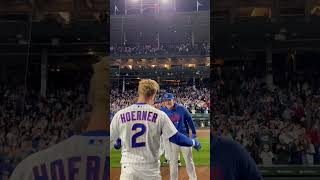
(194, 136)
(117, 145)
(196, 144)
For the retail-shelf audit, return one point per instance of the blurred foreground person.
(80, 157)
(230, 161)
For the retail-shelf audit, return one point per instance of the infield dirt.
(203, 173)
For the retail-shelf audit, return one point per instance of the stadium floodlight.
(164, 1)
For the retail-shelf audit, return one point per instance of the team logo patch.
(175, 117)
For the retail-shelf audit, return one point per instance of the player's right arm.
(19, 172)
(170, 132)
(114, 128)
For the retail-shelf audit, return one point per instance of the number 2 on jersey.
(134, 138)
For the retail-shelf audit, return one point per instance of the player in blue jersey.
(182, 120)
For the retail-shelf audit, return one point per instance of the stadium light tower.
(128, 3)
(168, 4)
(143, 5)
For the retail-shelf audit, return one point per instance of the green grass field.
(201, 158)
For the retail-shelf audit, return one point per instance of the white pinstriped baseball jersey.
(139, 127)
(81, 157)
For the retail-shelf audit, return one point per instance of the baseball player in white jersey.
(81, 157)
(139, 128)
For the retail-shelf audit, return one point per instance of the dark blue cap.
(157, 101)
(167, 96)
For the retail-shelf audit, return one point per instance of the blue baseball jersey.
(181, 118)
(230, 161)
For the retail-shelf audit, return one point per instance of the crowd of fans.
(277, 125)
(38, 123)
(163, 49)
(195, 100)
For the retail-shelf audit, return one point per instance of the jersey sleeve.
(167, 127)
(114, 129)
(189, 120)
(19, 172)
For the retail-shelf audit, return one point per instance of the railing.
(290, 170)
(201, 120)
(158, 55)
(164, 51)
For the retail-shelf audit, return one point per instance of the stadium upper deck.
(167, 28)
(62, 27)
(164, 68)
(247, 28)
(177, 29)
(233, 9)
(149, 7)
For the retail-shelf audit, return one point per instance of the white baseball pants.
(187, 155)
(140, 172)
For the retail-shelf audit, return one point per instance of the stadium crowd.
(164, 49)
(42, 122)
(278, 125)
(195, 100)
(38, 123)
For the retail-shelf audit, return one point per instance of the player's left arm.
(188, 118)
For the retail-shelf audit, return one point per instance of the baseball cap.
(157, 101)
(168, 96)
